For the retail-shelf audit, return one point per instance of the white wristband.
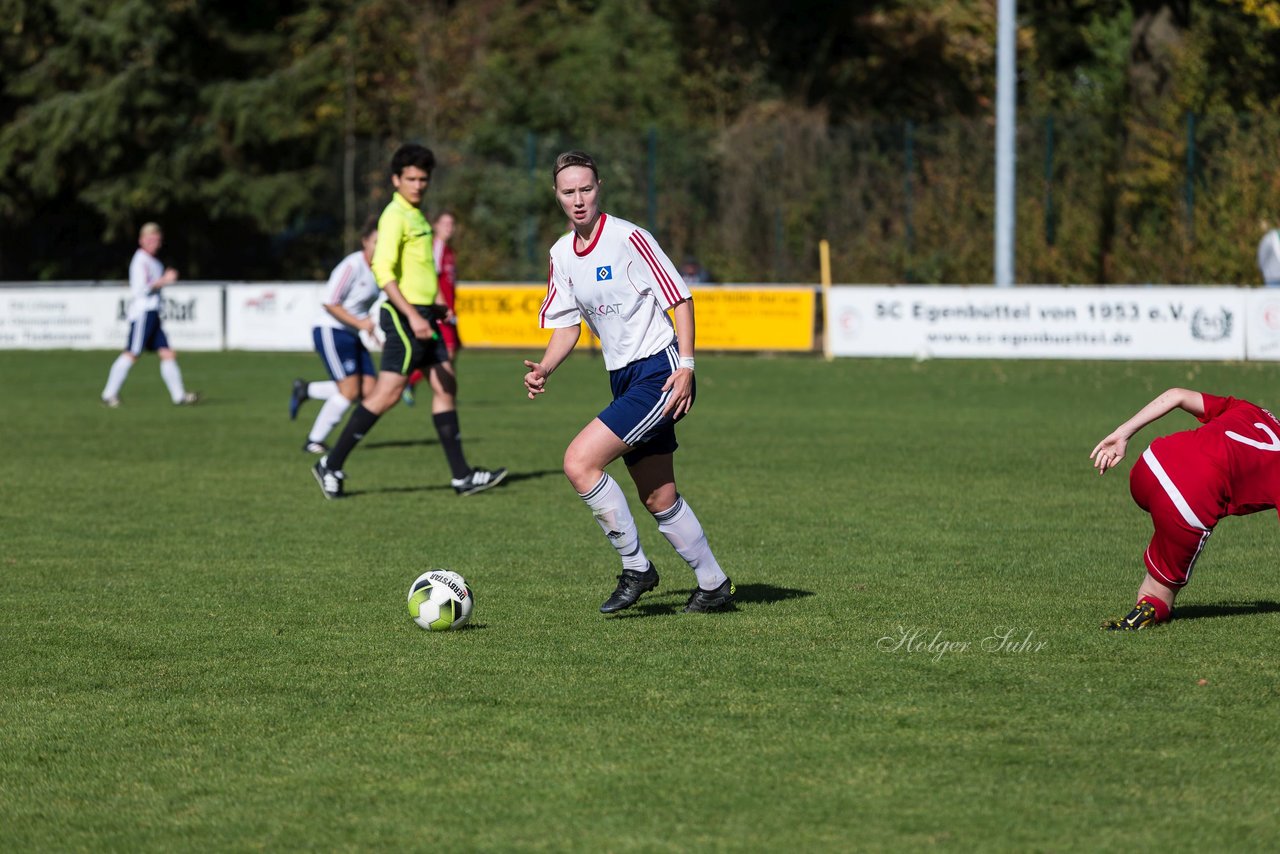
(686, 362)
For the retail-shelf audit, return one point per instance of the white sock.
(609, 506)
(173, 379)
(683, 530)
(328, 417)
(116, 376)
(321, 391)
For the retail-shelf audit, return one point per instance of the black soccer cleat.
(702, 601)
(1142, 616)
(330, 480)
(311, 447)
(296, 398)
(478, 481)
(630, 586)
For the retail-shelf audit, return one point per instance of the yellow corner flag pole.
(824, 262)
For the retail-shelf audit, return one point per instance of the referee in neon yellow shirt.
(403, 264)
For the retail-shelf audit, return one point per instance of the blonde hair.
(149, 228)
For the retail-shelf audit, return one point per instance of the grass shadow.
(398, 443)
(768, 594)
(1225, 609)
(672, 602)
(514, 477)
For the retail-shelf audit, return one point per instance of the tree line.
(740, 132)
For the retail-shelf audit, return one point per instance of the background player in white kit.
(345, 313)
(612, 274)
(146, 277)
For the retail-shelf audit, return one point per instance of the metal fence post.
(1191, 177)
(531, 224)
(909, 160)
(1048, 180)
(652, 190)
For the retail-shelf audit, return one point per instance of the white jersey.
(352, 286)
(144, 270)
(622, 285)
(1269, 257)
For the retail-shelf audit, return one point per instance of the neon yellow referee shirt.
(403, 253)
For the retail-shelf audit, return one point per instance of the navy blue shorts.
(342, 352)
(402, 352)
(145, 334)
(635, 416)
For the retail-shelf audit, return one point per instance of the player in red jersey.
(1188, 481)
(447, 279)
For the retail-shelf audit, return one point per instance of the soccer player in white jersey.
(345, 313)
(613, 275)
(146, 277)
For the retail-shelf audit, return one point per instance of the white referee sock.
(322, 391)
(116, 376)
(328, 417)
(609, 506)
(683, 530)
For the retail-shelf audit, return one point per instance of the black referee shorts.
(402, 352)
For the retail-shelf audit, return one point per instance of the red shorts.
(1182, 524)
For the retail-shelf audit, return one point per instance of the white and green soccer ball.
(440, 600)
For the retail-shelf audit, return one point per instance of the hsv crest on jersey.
(604, 274)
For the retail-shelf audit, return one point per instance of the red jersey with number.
(1228, 467)
(446, 270)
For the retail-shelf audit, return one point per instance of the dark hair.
(369, 227)
(412, 154)
(575, 158)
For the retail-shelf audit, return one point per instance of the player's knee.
(580, 471)
(660, 500)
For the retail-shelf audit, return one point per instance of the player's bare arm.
(343, 316)
(168, 277)
(680, 383)
(562, 342)
(1110, 451)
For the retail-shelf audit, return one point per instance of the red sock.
(1162, 610)
(415, 377)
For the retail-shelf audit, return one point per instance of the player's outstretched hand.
(535, 382)
(1109, 452)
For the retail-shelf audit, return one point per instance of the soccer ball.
(440, 600)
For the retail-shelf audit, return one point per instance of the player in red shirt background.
(1188, 481)
(447, 279)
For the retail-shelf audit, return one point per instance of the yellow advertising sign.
(729, 317)
(754, 318)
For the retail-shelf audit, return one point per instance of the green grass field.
(199, 652)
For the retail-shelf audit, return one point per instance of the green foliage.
(741, 132)
(136, 110)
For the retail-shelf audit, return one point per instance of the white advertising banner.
(272, 316)
(1262, 336)
(1040, 322)
(96, 318)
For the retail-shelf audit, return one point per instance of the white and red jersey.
(144, 270)
(1228, 467)
(446, 270)
(352, 286)
(622, 285)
